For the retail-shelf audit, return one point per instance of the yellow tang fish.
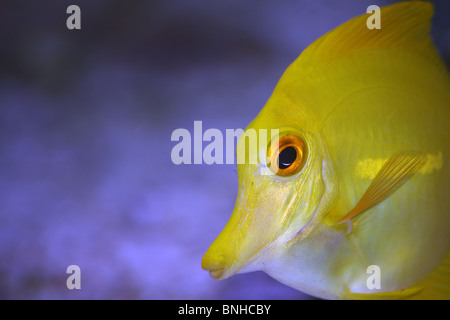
(357, 206)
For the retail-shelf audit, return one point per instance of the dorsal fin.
(404, 26)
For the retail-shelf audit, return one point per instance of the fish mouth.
(217, 273)
(218, 263)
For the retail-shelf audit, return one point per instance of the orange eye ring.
(289, 156)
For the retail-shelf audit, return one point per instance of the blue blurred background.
(86, 118)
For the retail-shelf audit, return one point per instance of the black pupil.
(286, 157)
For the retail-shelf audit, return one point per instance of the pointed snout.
(214, 263)
(253, 225)
(219, 258)
(239, 243)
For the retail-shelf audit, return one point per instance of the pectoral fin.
(394, 173)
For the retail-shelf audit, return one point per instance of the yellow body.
(356, 97)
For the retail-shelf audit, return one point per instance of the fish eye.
(286, 157)
(289, 158)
